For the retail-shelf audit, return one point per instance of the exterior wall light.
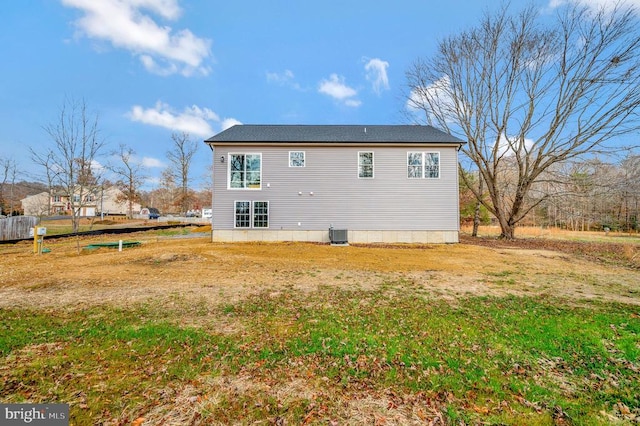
(222, 159)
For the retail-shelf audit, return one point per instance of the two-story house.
(296, 182)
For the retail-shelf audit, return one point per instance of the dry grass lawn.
(184, 273)
(194, 268)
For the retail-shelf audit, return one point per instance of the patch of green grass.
(484, 359)
(503, 277)
(172, 232)
(112, 353)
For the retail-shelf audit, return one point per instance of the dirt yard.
(192, 268)
(200, 283)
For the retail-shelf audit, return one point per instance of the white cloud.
(155, 68)
(96, 166)
(508, 146)
(434, 96)
(124, 24)
(336, 88)
(229, 122)
(285, 78)
(152, 162)
(596, 4)
(354, 103)
(280, 78)
(193, 120)
(377, 74)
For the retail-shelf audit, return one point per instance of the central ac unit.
(338, 236)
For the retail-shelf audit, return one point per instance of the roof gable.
(401, 134)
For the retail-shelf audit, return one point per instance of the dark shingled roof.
(249, 133)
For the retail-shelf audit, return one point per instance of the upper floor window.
(365, 164)
(423, 165)
(76, 198)
(296, 158)
(57, 198)
(245, 171)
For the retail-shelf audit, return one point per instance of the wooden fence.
(16, 227)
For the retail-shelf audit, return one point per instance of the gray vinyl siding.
(389, 201)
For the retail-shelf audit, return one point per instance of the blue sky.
(152, 67)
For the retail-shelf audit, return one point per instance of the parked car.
(207, 213)
(153, 212)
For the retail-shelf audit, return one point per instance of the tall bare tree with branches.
(180, 157)
(129, 174)
(76, 146)
(528, 91)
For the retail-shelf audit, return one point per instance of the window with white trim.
(365, 164)
(243, 214)
(423, 165)
(260, 214)
(245, 171)
(296, 158)
(251, 214)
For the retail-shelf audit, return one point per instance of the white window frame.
(296, 166)
(421, 168)
(251, 215)
(244, 180)
(360, 169)
(235, 214)
(254, 221)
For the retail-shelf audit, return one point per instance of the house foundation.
(356, 237)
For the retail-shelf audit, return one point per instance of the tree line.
(586, 195)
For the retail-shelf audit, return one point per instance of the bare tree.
(76, 146)
(45, 160)
(9, 170)
(164, 195)
(526, 95)
(631, 187)
(180, 159)
(593, 194)
(129, 175)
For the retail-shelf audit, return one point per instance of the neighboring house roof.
(44, 195)
(358, 134)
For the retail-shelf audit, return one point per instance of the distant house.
(365, 183)
(36, 205)
(101, 200)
